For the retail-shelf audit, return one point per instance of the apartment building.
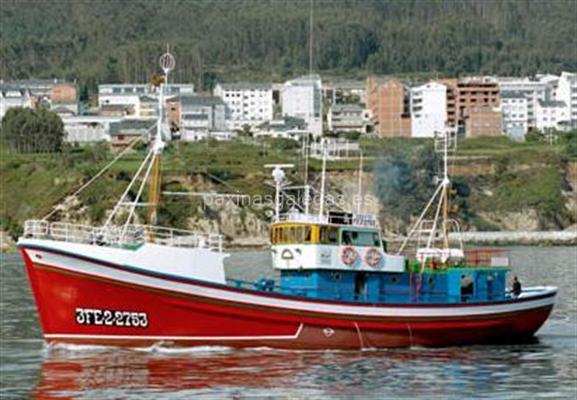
(202, 114)
(347, 118)
(302, 98)
(428, 109)
(567, 93)
(130, 94)
(57, 95)
(247, 103)
(534, 90)
(552, 114)
(389, 106)
(515, 110)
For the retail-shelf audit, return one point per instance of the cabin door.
(360, 284)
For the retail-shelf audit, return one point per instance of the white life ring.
(349, 255)
(373, 257)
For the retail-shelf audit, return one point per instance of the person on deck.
(517, 288)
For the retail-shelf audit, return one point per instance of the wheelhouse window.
(292, 234)
(360, 238)
(329, 235)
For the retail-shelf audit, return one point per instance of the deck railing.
(119, 236)
(361, 220)
(472, 258)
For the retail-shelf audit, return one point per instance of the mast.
(323, 180)
(446, 185)
(167, 64)
(360, 188)
(439, 224)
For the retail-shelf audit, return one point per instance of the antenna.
(167, 63)
(311, 35)
(279, 176)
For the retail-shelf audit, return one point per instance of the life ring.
(373, 257)
(348, 255)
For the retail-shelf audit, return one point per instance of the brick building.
(388, 103)
(63, 93)
(483, 121)
(474, 95)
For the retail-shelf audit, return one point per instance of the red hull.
(177, 319)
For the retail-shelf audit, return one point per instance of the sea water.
(546, 368)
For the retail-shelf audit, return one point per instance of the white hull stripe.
(80, 266)
(189, 338)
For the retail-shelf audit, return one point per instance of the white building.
(552, 115)
(534, 90)
(336, 149)
(10, 98)
(515, 110)
(428, 109)
(88, 128)
(347, 118)
(247, 103)
(302, 98)
(147, 107)
(286, 127)
(202, 114)
(567, 93)
(59, 96)
(129, 94)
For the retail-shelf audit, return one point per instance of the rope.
(98, 175)
(140, 190)
(120, 202)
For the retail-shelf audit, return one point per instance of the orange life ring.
(373, 257)
(348, 255)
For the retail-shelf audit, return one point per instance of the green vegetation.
(32, 131)
(522, 176)
(112, 41)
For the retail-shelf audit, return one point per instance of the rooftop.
(512, 94)
(551, 103)
(134, 126)
(147, 99)
(245, 86)
(193, 101)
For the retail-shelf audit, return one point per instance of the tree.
(32, 131)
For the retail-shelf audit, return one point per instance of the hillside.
(116, 41)
(509, 186)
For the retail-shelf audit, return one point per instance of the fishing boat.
(336, 287)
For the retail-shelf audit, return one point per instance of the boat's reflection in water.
(228, 373)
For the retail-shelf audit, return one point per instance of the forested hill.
(96, 41)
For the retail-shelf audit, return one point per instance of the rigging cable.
(98, 175)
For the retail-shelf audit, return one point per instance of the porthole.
(431, 280)
(394, 280)
(336, 276)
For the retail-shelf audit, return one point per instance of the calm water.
(544, 369)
